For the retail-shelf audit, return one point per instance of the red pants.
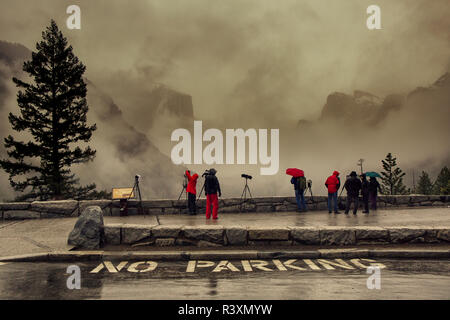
(212, 199)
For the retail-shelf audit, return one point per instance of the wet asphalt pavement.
(267, 279)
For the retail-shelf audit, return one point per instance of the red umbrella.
(295, 172)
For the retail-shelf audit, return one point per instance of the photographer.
(191, 191)
(300, 187)
(212, 187)
(353, 186)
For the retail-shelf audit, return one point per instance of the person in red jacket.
(333, 184)
(192, 192)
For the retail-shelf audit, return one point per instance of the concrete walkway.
(401, 217)
(48, 235)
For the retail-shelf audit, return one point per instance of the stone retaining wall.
(65, 208)
(217, 236)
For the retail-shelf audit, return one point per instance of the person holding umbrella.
(299, 181)
(365, 192)
(374, 187)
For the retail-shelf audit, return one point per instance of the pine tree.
(392, 177)
(442, 184)
(425, 186)
(53, 111)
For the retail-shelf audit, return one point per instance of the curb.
(224, 236)
(65, 256)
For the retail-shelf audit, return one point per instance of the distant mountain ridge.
(367, 108)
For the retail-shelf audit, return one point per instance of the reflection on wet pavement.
(401, 279)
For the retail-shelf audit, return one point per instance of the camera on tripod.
(132, 194)
(246, 188)
(206, 173)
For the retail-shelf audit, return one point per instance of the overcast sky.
(260, 55)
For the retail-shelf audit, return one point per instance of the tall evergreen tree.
(442, 184)
(53, 111)
(424, 186)
(392, 177)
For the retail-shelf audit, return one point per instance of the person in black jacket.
(365, 193)
(212, 187)
(374, 187)
(299, 188)
(352, 185)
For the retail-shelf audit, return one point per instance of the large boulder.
(88, 232)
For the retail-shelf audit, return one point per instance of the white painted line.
(199, 264)
(289, 265)
(311, 264)
(279, 265)
(109, 266)
(246, 265)
(3, 263)
(260, 265)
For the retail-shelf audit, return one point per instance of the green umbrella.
(371, 174)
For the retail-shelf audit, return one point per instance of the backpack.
(301, 184)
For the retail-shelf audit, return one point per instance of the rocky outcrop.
(367, 108)
(361, 107)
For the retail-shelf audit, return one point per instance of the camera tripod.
(184, 189)
(308, 186)
(124, 202)
(138, 189)
(201, 191)
(246, 189)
